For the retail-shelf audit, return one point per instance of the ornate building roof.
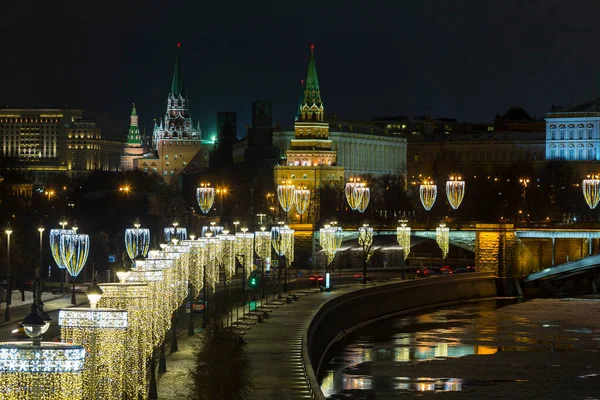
(177, 89)
(133, 136)
(311, 104)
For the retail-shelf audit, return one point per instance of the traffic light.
(252, 280)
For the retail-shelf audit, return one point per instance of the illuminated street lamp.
(591, 190)
(428, 194)
(525, 183)
(8, 277)
(221, 192)
(455, 191)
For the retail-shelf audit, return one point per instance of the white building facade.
(574, 135)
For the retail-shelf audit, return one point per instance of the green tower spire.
(177, 84)
(312, 92)
(133, 136)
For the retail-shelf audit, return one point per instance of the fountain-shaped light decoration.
(591, 190)
(428, 194)
(455, 191)
(137, 241)
(205, 196)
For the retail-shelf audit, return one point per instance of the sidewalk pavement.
(273, 347)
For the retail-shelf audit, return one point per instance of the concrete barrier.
(349, 312)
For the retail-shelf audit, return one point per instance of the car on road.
(199, 306)
(359, 278)
(317, 279)
(428, 271)
(468, 268)
(446, 270)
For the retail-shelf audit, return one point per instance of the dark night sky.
(467, 59)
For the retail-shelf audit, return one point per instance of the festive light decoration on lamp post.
(591, 190)
(262, 245)
(205, 196)
(364, 197)
(442, 237)
(365, 241)
(54, 239)
(403, 238)
(428, 194)
(135, 299)
(455, 191)
(51, 371)
(330, 238)
(74, 250)
(301, 200)
(227, 256)
(244, 250)
(137, 241)
(283, 244)
(355, 191)
(40, 370)
(174, 232)
(102, 332)
(285, 195)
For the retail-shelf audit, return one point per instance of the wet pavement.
(545, 348)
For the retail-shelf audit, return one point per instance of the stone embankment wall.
(346, 313)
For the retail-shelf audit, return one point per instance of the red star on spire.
(178, 45)
(312, 48)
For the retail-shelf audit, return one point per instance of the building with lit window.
(45, 141)
(310, 159)
(574, 134)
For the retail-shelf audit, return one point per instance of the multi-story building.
(310, 160)
(176, 143)
(134, 147)
(360, 150)
(45, 141)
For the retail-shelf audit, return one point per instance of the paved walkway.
(274, 349)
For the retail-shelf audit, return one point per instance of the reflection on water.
(441, 334)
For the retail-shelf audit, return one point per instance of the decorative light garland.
(262, 245)
(51, 371)
(442, 237)
(283, 242)
(102, 332)
(365, 238)
(135, 299)
(244, 245)
(330, 239)
(403, 238)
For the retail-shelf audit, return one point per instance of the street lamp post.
(8, 282)
(525, 183)
(38, 275)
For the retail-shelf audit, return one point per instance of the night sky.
(464, 59)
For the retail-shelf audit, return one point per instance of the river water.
(369, 363)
